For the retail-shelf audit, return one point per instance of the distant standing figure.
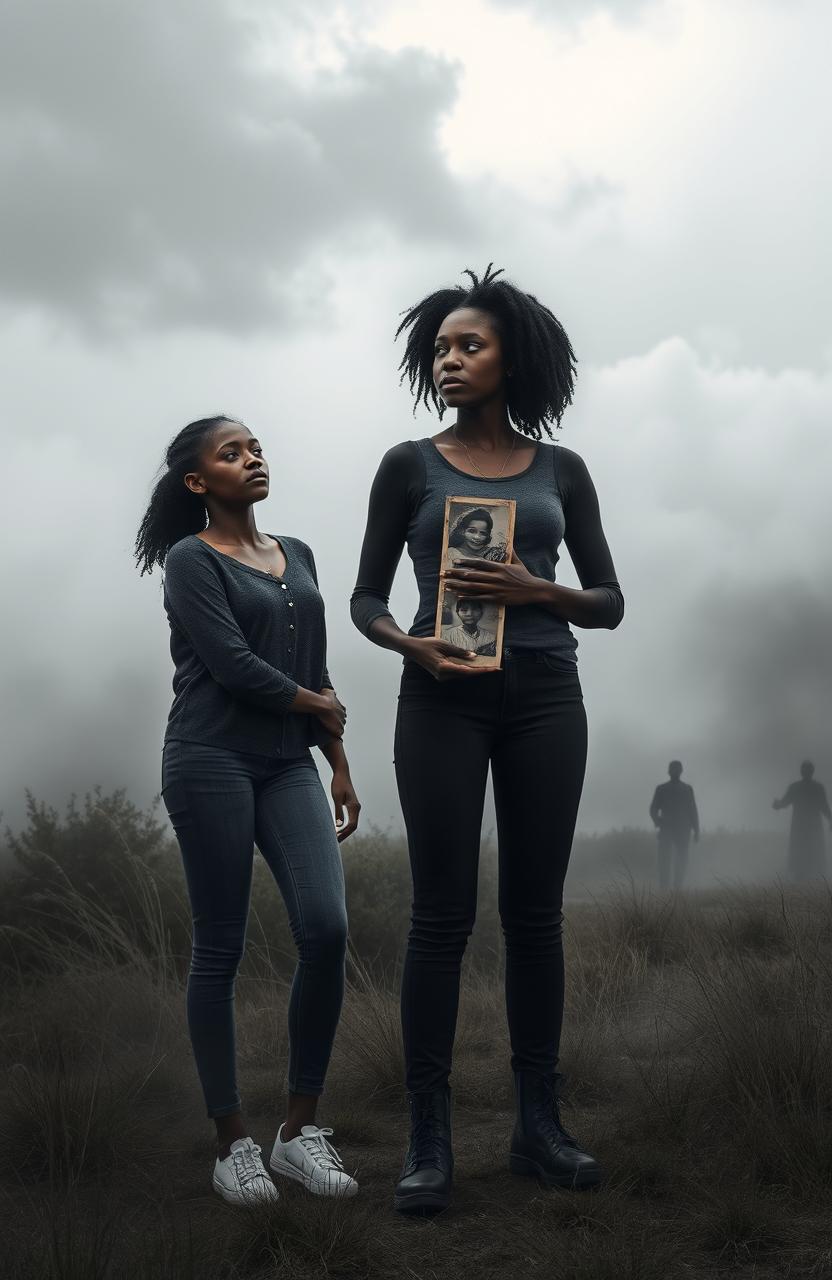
(674, 815)
(807, 847)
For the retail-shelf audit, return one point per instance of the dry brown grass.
(698, 1056)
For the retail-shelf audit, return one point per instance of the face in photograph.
(473, 628)
(471, 533)
(479, 532)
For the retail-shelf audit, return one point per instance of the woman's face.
(476, 535)
(468, 359)
(232, 468)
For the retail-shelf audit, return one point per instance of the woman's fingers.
(453, 651)
(353, 810)
(471, 579)
(487, 566)
(448, 669)
(477, 587)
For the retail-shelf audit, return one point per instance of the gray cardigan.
(242, 642)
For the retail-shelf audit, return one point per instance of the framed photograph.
(475, 528)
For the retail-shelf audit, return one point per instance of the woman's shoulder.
(295, 545)
(186, 550)
(402, 455)
(191, 565)
(571, 473)
(402, 473)
(565, 459)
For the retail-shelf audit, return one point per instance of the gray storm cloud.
(157, 172)
(161, 176)
(566, 11)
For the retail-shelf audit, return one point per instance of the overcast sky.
(209, 206)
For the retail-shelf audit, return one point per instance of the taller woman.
(251, 695)
(503, 361)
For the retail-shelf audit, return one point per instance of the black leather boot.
(540, 1146)
(425, 1182)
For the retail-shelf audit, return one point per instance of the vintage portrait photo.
(470, 623)
(478, 529)
(475, 528)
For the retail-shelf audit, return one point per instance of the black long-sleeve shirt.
(242, 642)
(556, 501)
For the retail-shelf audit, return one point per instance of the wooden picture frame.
(489, 536)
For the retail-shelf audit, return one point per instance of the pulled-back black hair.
(174, 511)
(535, 347)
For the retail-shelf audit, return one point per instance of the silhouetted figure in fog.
(674, 815)
(809, 805)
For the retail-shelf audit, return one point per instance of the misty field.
(697, 1051)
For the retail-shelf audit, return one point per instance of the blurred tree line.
(105, 852)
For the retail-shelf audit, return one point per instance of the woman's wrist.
(386, 633)
(547, 594)
(308, 703)
(409, 645)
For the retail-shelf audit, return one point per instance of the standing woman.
(501, 360)
(251, 694)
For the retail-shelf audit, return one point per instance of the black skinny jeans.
(528, 722)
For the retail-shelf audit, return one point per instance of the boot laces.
(428, 1140)
(552, 1120)
(323, 1152)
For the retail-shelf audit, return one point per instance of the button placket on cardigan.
(274, 643)
(291, 604)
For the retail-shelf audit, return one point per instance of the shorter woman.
(251, 694)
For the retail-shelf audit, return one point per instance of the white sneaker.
(310, 1159)
(241, 1178)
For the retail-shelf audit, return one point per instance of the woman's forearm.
(585, 607)
(334, 753)
(309, 703)
(387, 633)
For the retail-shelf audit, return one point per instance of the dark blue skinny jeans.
(221, 803)
(528, 723)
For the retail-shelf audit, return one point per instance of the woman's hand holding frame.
(499, 583)
(442, 660)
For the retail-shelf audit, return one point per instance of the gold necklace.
(270, 572)
(473, 463)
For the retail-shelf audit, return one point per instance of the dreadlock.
(174, 511)
(535, 346)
